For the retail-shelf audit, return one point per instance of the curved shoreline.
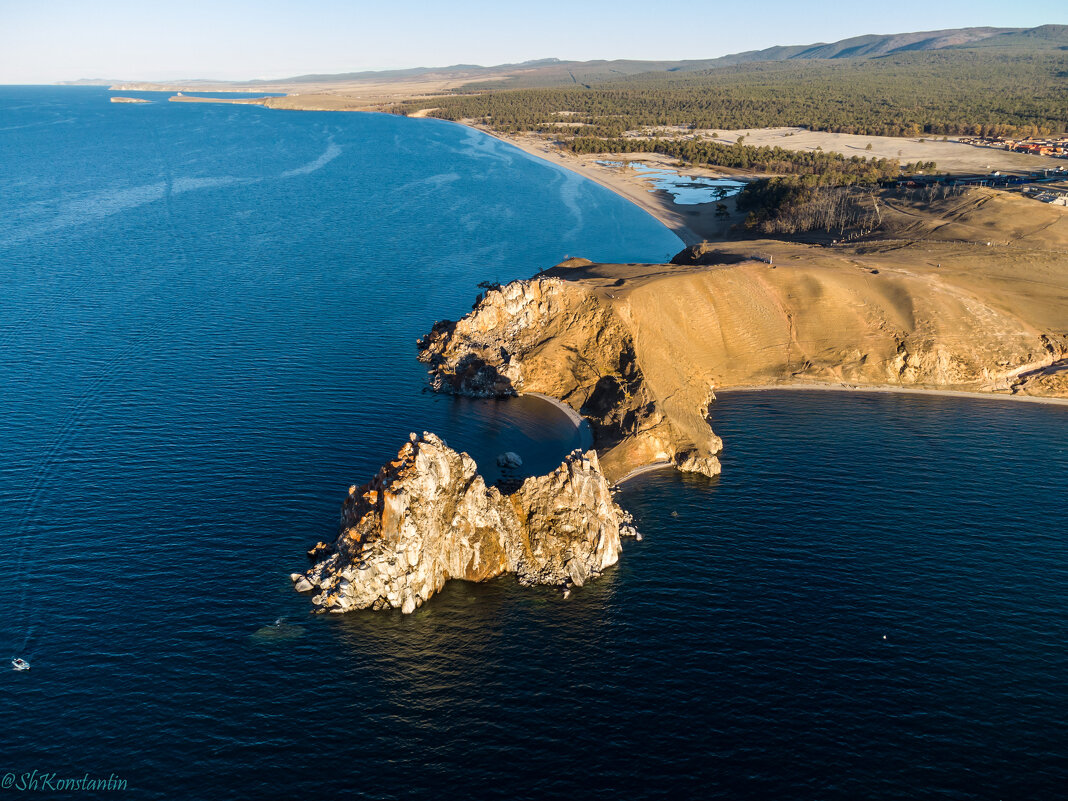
(557, 159)
(851, 388)
(574, 416)
(645, 468)
(650, 202)
(889, 389)
(653, 204)
(582, 425)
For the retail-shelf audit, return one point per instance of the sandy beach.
(851, 388)
(648, 468)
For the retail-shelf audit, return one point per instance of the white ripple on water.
(333, 150)
(569, 191)
(41, 124)
(182, 185)
(96, 206)
(88, 400)
(570, 184)
(483, 146)
(434, 181)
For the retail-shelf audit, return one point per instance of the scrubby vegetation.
(787, 206)
(780, 206)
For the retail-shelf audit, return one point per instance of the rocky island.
(428, 517)
(129, 100)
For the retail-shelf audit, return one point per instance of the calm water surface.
(685, 190)
(207, 326)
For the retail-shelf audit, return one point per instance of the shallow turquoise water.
(207, 327)
(685, 190)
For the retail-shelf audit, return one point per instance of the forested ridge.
(976, 90)
(982, 91)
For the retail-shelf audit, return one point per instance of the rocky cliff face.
(428, 517)
(559, 338)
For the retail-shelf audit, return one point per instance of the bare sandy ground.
(963, 296)
(346, 95)
(380, 94)
(951, 156)
(925, 313)
(312, 101)
(967, 294)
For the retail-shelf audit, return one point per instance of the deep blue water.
(207, 326)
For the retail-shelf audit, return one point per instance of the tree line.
(817, 167)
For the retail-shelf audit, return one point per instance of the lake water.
(685, 190)
(207, 326)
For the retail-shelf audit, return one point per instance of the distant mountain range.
(873, 45)
(554, 72)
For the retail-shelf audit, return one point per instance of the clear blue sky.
(48, 40)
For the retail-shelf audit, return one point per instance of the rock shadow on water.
(465, 628)
(276, 633)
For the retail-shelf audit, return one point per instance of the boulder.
(509, 459)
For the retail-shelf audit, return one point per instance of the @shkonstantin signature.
(44, 782)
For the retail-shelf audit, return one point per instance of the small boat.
(19, 664)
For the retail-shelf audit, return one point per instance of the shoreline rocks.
(428, 517)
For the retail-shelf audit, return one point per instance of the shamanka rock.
(428, 517)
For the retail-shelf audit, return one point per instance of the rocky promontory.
(559, 338)
(428, 516)
(637, 349)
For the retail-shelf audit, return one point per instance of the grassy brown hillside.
(639, 349)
